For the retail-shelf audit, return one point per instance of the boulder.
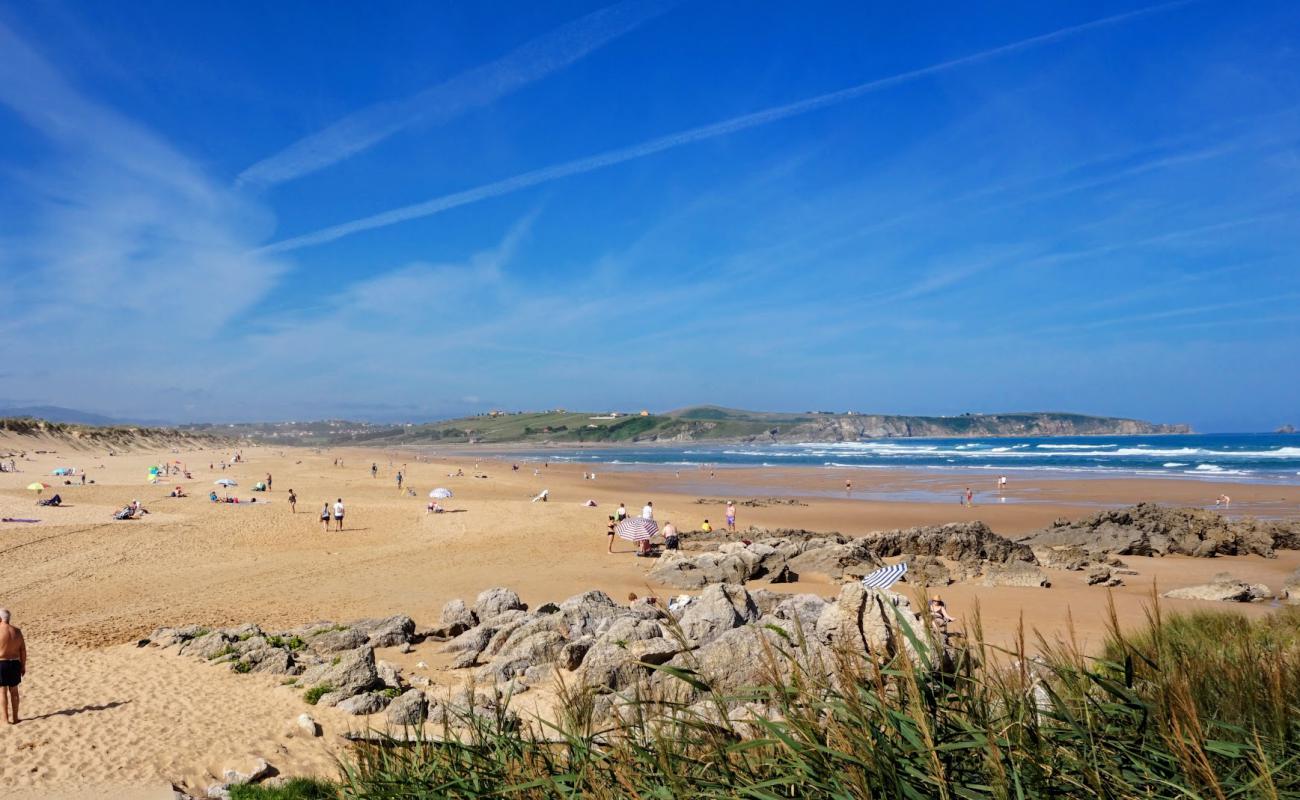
(168, 637)
(492, 602)
(388, 673)
(587, 614)
(572, 653)
(614, 664)
(354, 673)
(798, 612)
(270, 660)
(956, 541)
(1015, 573)
(250, 769)
(927, 571)
(408, 709)
(456, 618)
(1224, 588)
(209, 646)
(305, 725)
(1291, 589)
(364, 703)
(718, 608)
(388, 631)
(866, 621)
(1104, 577)
(336, 640)
(833, 559)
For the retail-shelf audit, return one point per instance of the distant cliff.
(709, 423)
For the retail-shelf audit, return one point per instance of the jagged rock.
(456, 618)
(718, 608)
(867, 621)
(336, 641)
(615, 664)
(739, 658)
(1149, 529)
(364, 703)
(784, 575)
(386, 632)
(250, 769)
(1068, 557)
(1102, 575)
(801, 612)
(168, 637)
(471, 644)
(306, 725)
(388, 674)
(833, 559)
(408, 709)
(492, 602)
(1015, 573)
(686, 571)
(587, 614)
(354, 672)
(956, 541)
(571, 654)
(927, 571)
(1224, 588)
(208, 646)
(271, 660)
(1291, 589)
(217, 791)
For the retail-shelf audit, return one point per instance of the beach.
(101, 712)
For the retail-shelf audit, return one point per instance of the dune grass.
(1195, 706)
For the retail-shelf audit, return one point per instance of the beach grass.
(1191, 706)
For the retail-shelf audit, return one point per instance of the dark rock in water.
(1148, 529)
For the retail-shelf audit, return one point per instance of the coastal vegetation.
(1200, 705)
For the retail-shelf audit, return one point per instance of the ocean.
(1240, 457)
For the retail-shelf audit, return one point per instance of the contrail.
(527, 64)
(755, 119)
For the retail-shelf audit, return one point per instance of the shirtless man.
(13, 665)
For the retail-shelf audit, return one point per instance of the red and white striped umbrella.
(637, 529)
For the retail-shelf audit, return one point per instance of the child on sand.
(325, 517)
(731, 516)
(293, 502)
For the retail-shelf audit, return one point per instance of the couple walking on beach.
(338, 516)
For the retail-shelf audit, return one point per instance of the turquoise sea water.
(1251, 457)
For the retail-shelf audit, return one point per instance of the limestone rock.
(1015, 573)
(355, 672)
(306, 725)
(867, 621)
(386, 632)
(364, 703)
(1149, 529)
(718, 608)
(250, 769)
(1224, 588)
(408, 710)
(388, 674)
(336, 641)
(492, 602)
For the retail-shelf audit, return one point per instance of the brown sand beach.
(100, 712)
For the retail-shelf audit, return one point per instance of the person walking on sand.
(848, 487)
(325, 517)
(399, 480)
(731, 516)
(293, 502)
(13, 665)
(374, 470)
(970, 498)
(338, 514)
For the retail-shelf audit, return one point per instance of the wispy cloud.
(529, 63)
(713, 131)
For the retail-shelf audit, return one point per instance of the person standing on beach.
(293, 502)
(621, 514)
(970, 498)
(848, 487)
(325, 517)
(613, 523)
(399, 480)
(268, 481)
(648, 510)
(1002, 483)
(374, 470)
(13, 665)
(731, 516)
(338, 514)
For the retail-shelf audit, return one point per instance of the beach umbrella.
(637, 529)
(440, 493)
(226, 482)
(885, 577)
(37, 487)
(62, 471)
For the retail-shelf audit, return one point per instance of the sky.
(410, 211)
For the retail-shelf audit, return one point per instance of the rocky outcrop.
(780, 556)
(1152, 530)
(1291, 589)
(1224, 588)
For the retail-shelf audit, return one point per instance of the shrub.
(314, 694)
(294, 789)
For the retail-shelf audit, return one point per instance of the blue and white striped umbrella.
(886, 576)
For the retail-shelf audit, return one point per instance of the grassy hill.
(702, 423)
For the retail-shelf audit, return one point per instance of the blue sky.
(410, 210)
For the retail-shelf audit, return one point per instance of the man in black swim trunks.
(13, 665)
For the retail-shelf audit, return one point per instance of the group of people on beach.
(672, 539)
